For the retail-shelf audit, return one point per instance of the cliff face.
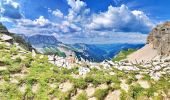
(159, 37)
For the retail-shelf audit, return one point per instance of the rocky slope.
(25, 75)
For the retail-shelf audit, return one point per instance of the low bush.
(15, 67)
(125, 96)
(2, 46)
(13, 50)
(100, 77)
(136, 91)
(80, 83)
(82, 96)
(100, 94)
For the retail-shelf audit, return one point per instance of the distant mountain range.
(48, 44)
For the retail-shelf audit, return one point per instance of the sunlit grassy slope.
(24, 76)
(123, 54)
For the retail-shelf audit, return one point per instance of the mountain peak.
(159, 37)
(43, 39)
(158, 43)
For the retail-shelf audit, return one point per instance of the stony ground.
(26, 76)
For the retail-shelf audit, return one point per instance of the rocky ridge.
(158, 45)
(159, 37)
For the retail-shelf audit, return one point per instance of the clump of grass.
(100, 77)
(13, 50)
(82, 96)
(5, 75)
(15, 67)
(146, 77)
(29, 94)
(150, 91)
(124, 95)
(120, 74)
(100, 94)
(161, 84)
(10, 91)
(95, 78)
(6, 58)
(28, 60)
(80, 83)
(2, 46)
(135, 91)
(131, 80)
(115, 86)
(65, 95)
(18, 60)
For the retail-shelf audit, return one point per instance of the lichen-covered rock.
(159, 37)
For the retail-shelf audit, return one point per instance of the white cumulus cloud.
(13, 3)
(121, 19)
(115, 25)
(57, 13)
(41, 21)
(10, 9)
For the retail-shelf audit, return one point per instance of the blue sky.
(85, 21)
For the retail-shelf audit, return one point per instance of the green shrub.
(13, 50)
(31, 80)
(121, 74)
(65, 95)
(100, 77)
(114, 79)
(66, 71)
(80, 83)
(136, 91)
(7, 60)
(146, 77)
(116, 86)
(18, 60)
(2, 46)
(124, 95)
(150, 91)
(27, 62)
(163, 83)
(15, 67)
(10, 92)
(75, 70)
(82, 96)
(29, 95)
(131, 80)
(6, 77)
(100, 94)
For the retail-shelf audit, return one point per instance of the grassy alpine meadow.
(23, 76)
